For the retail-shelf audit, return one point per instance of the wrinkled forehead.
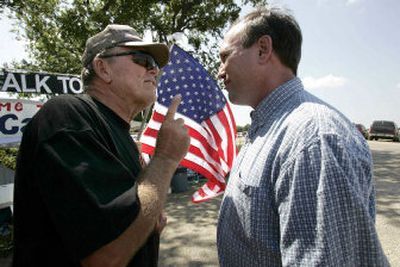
(232, 37)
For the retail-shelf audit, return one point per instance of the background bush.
(8, 157)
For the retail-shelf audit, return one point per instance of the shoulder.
(314, 117)
(315, 123)
(70, 112)
(64, 102)
(67, 106)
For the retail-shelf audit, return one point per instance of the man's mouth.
(153, 82)
(226, 83)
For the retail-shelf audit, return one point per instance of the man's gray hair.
(281, 26)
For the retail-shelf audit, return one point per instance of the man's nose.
(154, 71)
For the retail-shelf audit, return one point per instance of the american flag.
(207, 115)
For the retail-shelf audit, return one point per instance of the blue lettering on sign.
(25, 121)
(3, 120)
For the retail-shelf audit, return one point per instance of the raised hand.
(173, 139)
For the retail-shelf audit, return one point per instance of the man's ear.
(102, 69)
(264, 44)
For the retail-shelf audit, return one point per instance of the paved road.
(189, 238)
(387, 176)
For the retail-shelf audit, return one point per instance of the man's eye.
(223, 57)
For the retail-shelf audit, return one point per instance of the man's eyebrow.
(225, 52)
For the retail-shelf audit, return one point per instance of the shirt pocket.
(245, 186)
(255, 211)
(246, 201)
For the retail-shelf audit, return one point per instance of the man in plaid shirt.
(301, 192)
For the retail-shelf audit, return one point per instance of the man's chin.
(151, 101)
(232, 98)
(236, 100)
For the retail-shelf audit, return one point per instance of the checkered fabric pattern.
(301, 192)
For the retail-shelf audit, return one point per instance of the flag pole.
(147, 110)
(146, 114)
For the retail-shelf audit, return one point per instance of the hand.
(173, 138)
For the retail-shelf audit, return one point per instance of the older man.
(301, 192)
(81, 195)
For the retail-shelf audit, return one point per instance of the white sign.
(39, 83)
(14, 115)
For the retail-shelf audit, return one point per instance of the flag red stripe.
(197, 168)
(216, 137)
(212, 149)
(192, 149)
(147, 149)
(230, 151)
(158, 117)
(232, 129)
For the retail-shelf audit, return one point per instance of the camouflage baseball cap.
(122, 35)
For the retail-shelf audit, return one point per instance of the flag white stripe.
(222, 134)
(199, 161)
(151, 141)
(194, 142)
(220, 129)
(189, 122)
(208, 191)
(212, 149)
(231, 127)
(148, 140)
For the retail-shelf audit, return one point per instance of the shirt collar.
(275, 100)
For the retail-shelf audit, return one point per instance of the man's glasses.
(141, 58)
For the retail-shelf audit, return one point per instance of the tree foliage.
(56, 30)
(8, 157)
(242, 128)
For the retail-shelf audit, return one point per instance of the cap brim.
(159, 51)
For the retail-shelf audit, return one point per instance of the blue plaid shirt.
(301, 192)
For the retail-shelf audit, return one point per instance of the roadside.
(189, 240)
(190, 236)
(386, 157)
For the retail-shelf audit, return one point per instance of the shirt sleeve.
(325, 201)
(90, 195)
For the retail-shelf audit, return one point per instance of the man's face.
(132, 81)
(237, 67)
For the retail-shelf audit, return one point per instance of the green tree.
(246, 127)
(8, 157)
(242, 128)
(56, 30)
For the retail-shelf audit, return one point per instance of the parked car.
(384, 129)
(362, 130)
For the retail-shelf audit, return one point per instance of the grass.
(6, 242)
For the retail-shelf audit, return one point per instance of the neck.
(280, 78)
(113, 102)
(273, 81)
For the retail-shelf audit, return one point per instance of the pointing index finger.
(173, 107)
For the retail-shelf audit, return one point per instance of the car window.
(383, 125)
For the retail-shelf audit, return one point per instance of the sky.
(350, 55)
